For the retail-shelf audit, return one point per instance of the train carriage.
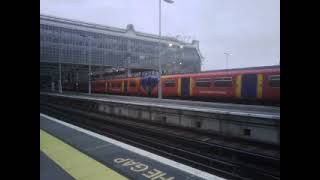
(148, 86)
(258, 84)
(116, 86)
(252, 84)
(99, 86)
(133, 87)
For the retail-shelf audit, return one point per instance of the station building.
(110, 51)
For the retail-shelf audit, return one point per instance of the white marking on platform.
(141, 152)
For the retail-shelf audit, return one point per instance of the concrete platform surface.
(222, 108)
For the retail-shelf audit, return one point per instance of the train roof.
(231, 71)
(246, 68)
(234, 70)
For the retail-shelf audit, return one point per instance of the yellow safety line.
(179, 86)
(259, 86)
(238, 86)
(122, 86)
(77, 164)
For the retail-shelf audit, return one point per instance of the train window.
(223, 82)
(170, 83)
(115, 85)
(132, 83)
(205, 82)
(274, 81)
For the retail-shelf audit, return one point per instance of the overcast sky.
(249, 29)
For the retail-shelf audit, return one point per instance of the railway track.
(220, 160)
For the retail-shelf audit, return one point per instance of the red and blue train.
(256, 84)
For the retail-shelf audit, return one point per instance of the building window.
(223, 82)
(247, 132)
(170, 83)
(198, 124)
(274, 81)
(204, 82)
(164, 119)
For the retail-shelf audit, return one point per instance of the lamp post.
(227, 55)
(89, 64)
(182, 54)
(159, 84)
(59, 60)
(89, 80)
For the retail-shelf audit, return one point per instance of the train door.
(185, 87)
(249, 86)
(125, 87)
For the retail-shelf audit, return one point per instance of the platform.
(49, 170)
(221, 108)
(254, 123)
(70, 152)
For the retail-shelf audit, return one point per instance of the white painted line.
(141, 152)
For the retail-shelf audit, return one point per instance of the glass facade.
(74, 43)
